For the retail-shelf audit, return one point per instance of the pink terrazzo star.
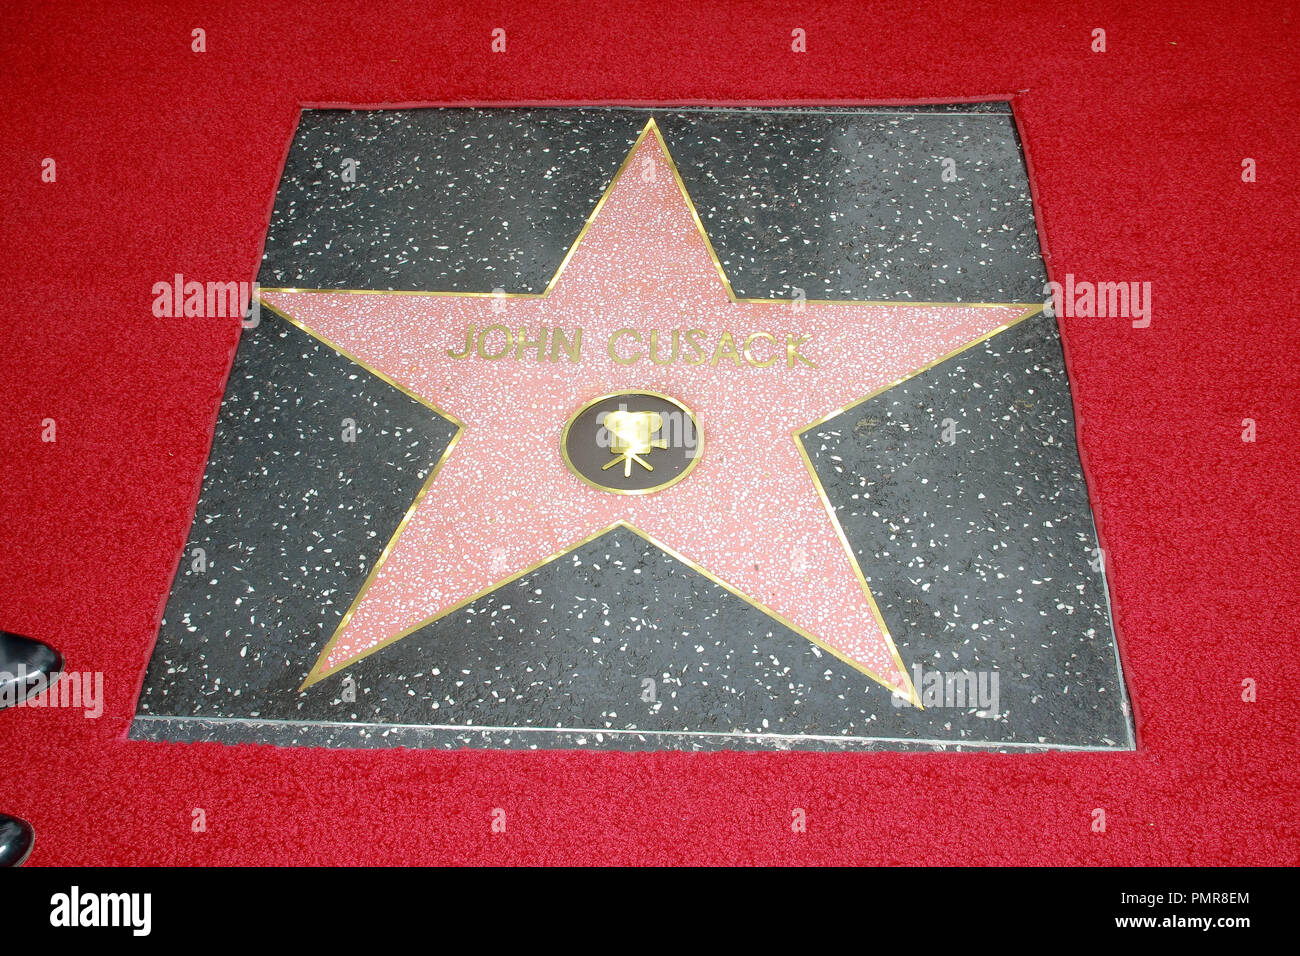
(751, 515)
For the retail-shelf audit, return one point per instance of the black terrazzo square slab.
(959, 490)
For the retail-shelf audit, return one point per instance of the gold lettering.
(560, 341)
(523, 344)
(693, 337)
(613, 346)
(792, 351)
(749, 350)
(726, 349)
(469, 344)
(654, 348)
(482, 342)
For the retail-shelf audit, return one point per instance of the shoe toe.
(16, 839)
(26, 667)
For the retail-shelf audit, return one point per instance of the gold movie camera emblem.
(631, 438)
(658, 434)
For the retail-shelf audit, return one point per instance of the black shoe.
(16, 839)
(26, 666)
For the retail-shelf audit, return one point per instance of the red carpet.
(167, 162)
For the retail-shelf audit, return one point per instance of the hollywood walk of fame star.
(751, 516)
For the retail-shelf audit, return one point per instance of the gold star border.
(319, 672)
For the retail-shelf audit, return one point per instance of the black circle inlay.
(632, 443)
